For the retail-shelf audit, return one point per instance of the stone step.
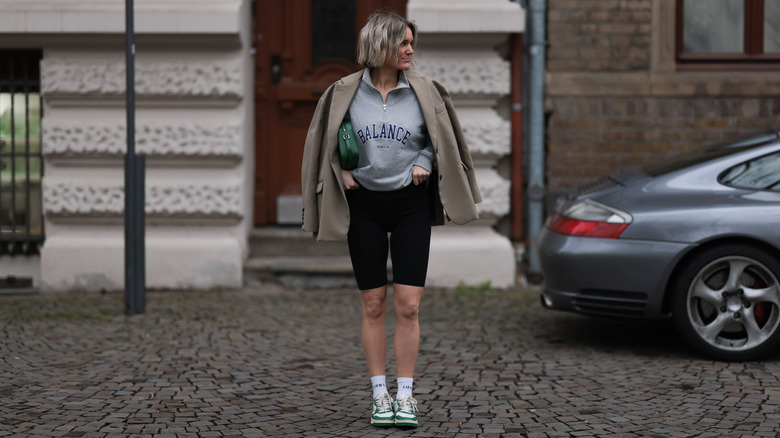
(459, 255)
(301, 272)
(288, 241)
(293, 258)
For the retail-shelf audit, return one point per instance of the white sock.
(404, 387)
(379, 385)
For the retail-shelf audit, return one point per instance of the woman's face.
(405, 52)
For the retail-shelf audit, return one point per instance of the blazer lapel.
(343, 93)
(427, 104)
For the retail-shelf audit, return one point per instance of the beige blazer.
(453, 187)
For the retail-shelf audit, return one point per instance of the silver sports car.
(697, 236)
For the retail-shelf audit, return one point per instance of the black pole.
(135, 273)
(140, 229)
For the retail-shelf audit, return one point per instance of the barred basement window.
(21, 161)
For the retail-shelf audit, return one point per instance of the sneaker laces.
(407, 404)
(384, 403)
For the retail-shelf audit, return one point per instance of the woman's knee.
(406, 301)
(406, 309)
(374, 306)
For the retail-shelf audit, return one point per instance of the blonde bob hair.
(381, 36)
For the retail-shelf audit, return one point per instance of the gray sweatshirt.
(391, 136)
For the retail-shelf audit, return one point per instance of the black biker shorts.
(406, 215)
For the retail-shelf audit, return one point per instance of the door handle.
(276, 68)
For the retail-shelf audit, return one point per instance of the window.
(760, 174)
(728, 34)
(333, 31)
(21, 162)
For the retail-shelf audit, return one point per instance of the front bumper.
(607, 277)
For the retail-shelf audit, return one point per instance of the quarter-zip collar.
(402, 81)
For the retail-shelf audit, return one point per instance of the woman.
(407, 132)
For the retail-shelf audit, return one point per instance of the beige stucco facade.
(194, 83)
(459, 43)
(195, 125)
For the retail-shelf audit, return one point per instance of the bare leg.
(406, 302)
(373, 329)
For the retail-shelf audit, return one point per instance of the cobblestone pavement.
(275, 362)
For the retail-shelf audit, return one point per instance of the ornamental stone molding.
(71, 199)
(191, 200)
(60, 76)
(169, 140)
(195, 200)
(489, 138)
(481, 76)
(495, 194)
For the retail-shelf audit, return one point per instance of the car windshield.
(709, 153)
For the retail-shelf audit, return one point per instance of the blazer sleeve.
(312, 161)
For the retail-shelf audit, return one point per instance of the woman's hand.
(419, 175)
(349, 180)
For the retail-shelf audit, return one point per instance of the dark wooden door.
(302, 46)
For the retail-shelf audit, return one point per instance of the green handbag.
(348, 149)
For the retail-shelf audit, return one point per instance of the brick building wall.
(614, 100)
(598, 35)
(590, 137)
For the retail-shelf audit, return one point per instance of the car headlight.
(589, 219)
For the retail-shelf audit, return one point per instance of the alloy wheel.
(734, 303)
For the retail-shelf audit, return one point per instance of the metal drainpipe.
(518, 182)
(534, 90)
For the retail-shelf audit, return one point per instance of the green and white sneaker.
(382, 414)
(405, 409)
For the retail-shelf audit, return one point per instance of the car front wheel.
(726, 302)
